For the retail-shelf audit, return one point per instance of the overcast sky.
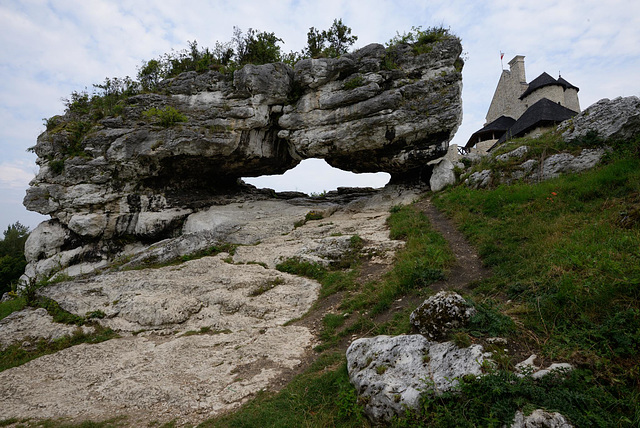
(51, 48)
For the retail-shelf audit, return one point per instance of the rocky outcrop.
(532, 171)
(139, 175)
(391, 373)
(617, 119)
(201, 337)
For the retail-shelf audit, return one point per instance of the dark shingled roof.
(540, 82)
(543, 113)
(497, 127)
(546, 80)
(566, 84)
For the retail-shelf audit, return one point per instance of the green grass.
(492, 401)
(558, 249)
(424, 260)
(565, 253)
(11, 306)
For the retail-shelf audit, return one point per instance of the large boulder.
(617, 119)
(138, 175)
(443, 175)
(390, 373)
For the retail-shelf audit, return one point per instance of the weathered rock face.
(138, 176)
(33, 324)
(391, 373)
(616, 119)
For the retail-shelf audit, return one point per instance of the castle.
(521, 109)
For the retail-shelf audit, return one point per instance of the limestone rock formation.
(391, 373)
(442, 176)
(617, 119)
(441, 313)
(138, 176)
(201, 337)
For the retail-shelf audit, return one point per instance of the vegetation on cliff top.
(252, 47)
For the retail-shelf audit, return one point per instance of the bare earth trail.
(468, 267)
(467, 270)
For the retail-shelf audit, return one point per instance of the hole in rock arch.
(313, 176)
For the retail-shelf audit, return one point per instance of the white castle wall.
(571, 100)
(553, 93)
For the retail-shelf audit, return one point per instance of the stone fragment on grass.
(479, 180)
(528, 368)
(540, 419)
(515, 153)
(441, 313)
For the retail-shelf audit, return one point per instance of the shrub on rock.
(440, 314)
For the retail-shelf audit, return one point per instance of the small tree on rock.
(331, 43)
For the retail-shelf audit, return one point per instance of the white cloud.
(15, 176)
(315, 176)
(53, 48)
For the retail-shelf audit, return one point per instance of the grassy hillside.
(565, 257)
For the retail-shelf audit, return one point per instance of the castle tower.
(506, 99)
(516, 65)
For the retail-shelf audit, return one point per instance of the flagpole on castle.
(501, 56)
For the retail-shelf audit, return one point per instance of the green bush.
(57, 165)
(354, 82)
(422, 41)
(169, 116)
(296, 266)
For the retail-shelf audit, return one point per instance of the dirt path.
(468, 267)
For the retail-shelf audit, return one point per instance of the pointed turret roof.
(566, 84)
(539, 82)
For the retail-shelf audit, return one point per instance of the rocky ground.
(200, 337)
